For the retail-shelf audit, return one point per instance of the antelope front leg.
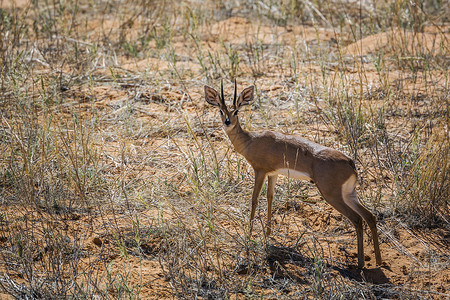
(259, 180)
(271, 182)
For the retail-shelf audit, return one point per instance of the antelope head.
(229, 116)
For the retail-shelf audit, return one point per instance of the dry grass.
(116, 180)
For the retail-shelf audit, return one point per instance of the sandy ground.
(412, 258)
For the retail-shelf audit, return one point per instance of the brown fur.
(333, 172)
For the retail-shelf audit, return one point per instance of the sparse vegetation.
(116, 180)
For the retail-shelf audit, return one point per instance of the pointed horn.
(221, 92)
(235, 93)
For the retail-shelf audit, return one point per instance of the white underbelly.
(291, 174)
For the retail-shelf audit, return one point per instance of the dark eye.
(235, 113)
(221, 112)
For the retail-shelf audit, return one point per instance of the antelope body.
(272, 154)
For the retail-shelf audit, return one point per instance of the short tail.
(352, 164)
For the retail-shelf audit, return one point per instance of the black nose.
(227, 121)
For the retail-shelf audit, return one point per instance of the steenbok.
(272, 153)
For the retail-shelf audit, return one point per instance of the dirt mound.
(240, 30)
(14, 3)
(431, 42)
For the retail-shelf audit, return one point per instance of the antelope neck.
(239, 137)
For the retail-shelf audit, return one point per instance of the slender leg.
(352, 200)
(360, 239)
(376, 244)
(356, 220)
(339, 204)
(259, 180)
(271, 182)
(335, 199)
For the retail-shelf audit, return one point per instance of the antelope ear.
(246, 96)
(212, 96)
